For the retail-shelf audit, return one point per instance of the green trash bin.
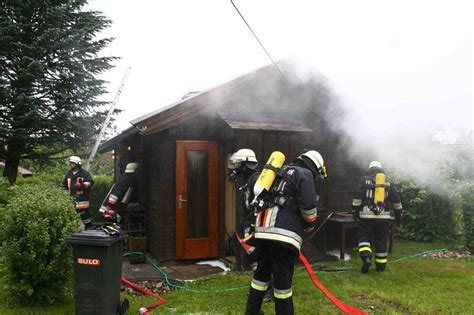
(97, 272)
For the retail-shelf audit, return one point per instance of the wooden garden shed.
(191, 207)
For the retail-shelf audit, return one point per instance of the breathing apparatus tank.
(379, 195)
(267, 176)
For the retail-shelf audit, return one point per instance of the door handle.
(180, 200)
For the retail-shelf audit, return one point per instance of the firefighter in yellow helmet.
(124, 190)
(289, 212)
(78, 182)
(375, 205)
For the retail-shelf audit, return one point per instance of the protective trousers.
(376, 230)
(279, 261)
(82, 208)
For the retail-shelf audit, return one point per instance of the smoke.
(415, 123)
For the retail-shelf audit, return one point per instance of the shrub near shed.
(37, 261)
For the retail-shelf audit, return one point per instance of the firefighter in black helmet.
(280, 229)
(113, 209)
(78, 182)
(375, 205)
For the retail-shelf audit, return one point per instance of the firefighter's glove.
(233, 176)
(77, 187)
(109, 214)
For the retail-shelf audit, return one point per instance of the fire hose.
(144, 310)
(343, 307)
(340, 305)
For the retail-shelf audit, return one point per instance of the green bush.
(37, 261)
(430, 215)
(467, 204)
(3, 191)
(102, 185)
(47, 174)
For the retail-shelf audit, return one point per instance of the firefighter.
(243, 164)
(375, 205)
(125, 189)
(78, 182)
(280, 228)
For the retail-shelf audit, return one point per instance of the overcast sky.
(408, 60)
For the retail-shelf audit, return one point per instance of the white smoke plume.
(403, 122)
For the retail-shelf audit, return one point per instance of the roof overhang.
(112, 143)
(270, 126)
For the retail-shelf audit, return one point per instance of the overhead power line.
(258, 40)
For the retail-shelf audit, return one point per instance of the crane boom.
(107, 119)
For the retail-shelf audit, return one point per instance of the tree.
(49, 63)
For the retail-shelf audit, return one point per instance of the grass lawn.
(417, 286)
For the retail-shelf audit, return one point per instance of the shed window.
(197, 194)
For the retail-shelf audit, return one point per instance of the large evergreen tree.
(49, 64)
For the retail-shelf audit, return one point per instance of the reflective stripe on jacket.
(363, 199)
(284, 223)
(81, 195)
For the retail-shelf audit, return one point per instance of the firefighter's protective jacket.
(79, 184)
(285, 222)
(123, 192)
(363, 199)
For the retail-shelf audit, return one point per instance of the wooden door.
(196, 199)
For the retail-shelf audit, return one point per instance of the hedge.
(37, 261)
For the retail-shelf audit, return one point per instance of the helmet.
(131, 167)
(314, 161)
(243, 155)
(75, 159)
(374, 164)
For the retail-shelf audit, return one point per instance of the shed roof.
(259, 100)
(261, 93)
(110, 144)
(23, 171)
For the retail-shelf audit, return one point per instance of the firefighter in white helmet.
(375, 205)
(243, 164)
(78, 182)
(280, 228)
(122, 193)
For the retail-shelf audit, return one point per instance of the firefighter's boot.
(365, 264)
(284, 306)
(254, 302)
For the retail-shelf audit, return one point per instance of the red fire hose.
(144, 310)
(343, 307)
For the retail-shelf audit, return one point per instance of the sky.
(407, 62)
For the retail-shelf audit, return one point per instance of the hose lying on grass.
(340, 305)
(144, 310)
(345, 308)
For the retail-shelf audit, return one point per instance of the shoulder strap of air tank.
(277, 170)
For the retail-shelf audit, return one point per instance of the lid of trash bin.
(94, 238)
